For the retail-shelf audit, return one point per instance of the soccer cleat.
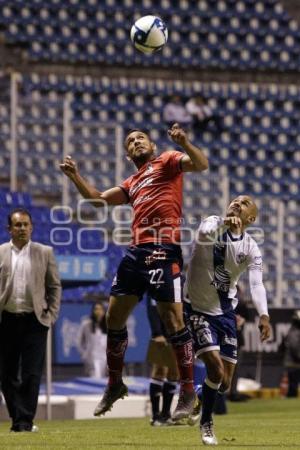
(195, 415)
(166, 421)
(207, 433)
(111, 394)
(184, 406)
(155, 423)
(162, 421)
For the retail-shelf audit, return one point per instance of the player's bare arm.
(194, 160)
(113, 196)
(264, 327)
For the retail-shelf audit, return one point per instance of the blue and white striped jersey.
(218, 260)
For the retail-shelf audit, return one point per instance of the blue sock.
(198, 389)
(209, 393)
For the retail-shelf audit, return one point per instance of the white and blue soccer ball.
(149, 34)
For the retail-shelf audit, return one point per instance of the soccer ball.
(149, 34)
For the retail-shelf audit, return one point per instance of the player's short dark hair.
(138, 130)
(134, 129)
(20, 211)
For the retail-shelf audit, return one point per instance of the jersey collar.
(233, 238)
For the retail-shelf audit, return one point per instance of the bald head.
(252, 207)
(245, 208)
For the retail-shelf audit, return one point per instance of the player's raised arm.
(210, 228)
(214, 226)
(113, 196)
(194, 160)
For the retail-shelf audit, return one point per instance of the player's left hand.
(264, 328)
(178, 135)
(239, 321)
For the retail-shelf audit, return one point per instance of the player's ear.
(251, 219)
(153, 147)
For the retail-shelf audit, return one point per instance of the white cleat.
(207, 433)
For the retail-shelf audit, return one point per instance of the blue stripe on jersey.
(221, 280)
(239, 238)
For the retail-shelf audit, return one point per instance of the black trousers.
(294, 381)
(22, 351)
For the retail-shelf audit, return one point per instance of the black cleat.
(184, 406)
(162, 421)
(111, 395)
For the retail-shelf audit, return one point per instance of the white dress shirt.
(20, 300)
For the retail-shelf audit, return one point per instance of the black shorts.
(152, 268)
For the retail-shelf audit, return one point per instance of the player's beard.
(142, 158)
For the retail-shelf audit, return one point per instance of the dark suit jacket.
(44, 281)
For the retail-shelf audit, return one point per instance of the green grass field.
(260, 424)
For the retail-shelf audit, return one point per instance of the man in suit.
(30, 293)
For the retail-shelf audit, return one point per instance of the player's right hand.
(264, 328)
(178, 135)
(232, 221)
(69, 167)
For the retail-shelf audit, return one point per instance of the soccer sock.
(168, 391)
(220, 404)
(155, 390)
(117, 341)
(222, 389)
(198, 389)
(199, 377)
(209, 393)
(183, 348)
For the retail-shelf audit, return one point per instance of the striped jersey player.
(222, 251)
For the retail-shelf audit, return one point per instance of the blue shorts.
(212, 333)
(155, 269)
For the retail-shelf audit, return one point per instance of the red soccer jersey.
(155, 193)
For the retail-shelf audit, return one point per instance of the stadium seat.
(95, 33)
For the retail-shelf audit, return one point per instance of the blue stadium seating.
(257, 141)
(41, 216)
(206, 33)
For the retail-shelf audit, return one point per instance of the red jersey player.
(153, 262)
